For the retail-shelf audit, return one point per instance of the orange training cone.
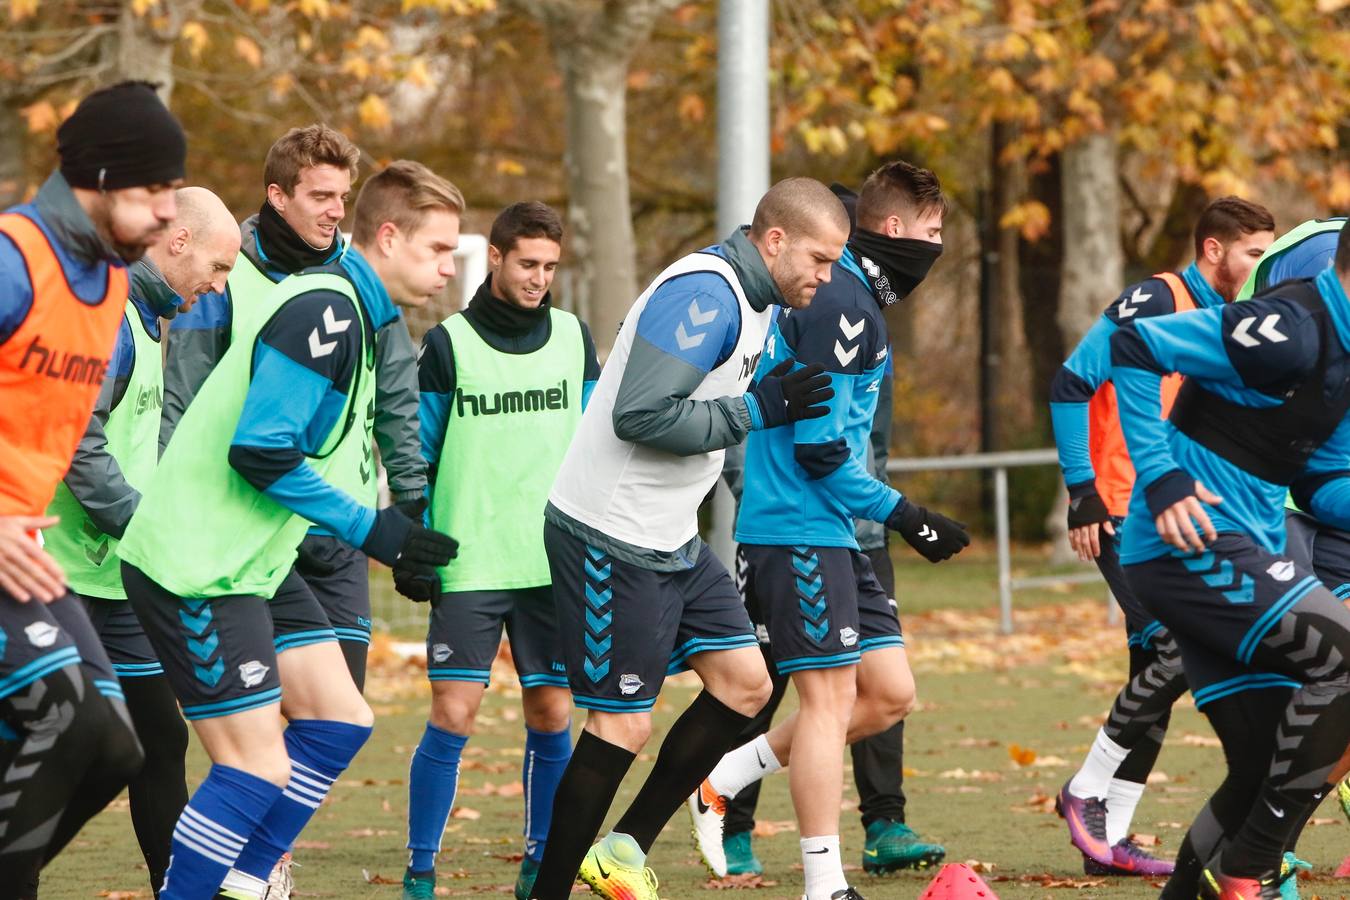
(958, 881)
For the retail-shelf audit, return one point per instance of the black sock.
(588, 786)
(695, 744)
(159, 792)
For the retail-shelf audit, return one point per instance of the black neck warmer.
(894, 266)
(503, 317)
(283, 248)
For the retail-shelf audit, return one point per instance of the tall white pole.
(742, 162)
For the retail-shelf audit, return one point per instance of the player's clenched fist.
(785, 396)
(935, 536)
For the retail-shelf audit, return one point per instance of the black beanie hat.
(120, 137)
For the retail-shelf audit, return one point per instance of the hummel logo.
(698, 317)
(850, 330)
(1125, 310)
(928, 534)
(844, 356)
(1266, 329)
(331, 325)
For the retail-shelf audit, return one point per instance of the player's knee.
(362, 715)
(271, 767)
(547, 709)
(627, 730)
(123, 755)
(454, 712)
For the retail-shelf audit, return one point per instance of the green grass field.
(1043, 689)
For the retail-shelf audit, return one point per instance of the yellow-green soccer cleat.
(616, 868)
(1343, 795)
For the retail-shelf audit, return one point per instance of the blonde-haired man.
(285, 416)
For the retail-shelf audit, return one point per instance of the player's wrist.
(1167, 490)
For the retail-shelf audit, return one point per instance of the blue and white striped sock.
(320, 751)
(213, 829)
(546, 756)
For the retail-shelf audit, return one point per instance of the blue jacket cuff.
(1170, 488)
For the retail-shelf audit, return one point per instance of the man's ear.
(495, 257)
(179, 241)
(386, 236)
(1212, 249)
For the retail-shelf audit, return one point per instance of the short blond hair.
(402, 193)
(300, 148)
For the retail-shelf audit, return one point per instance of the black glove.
(785, 396)
(309, 557)
(397, 539)
(1087, 510)
(417, 585)
(413, 508)
(935, 536)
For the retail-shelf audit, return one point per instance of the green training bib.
(510, 420)
(201, 529)
(86, 554)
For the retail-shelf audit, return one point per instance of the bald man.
(637, 594)
(99, 496)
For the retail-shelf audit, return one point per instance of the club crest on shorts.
(848, 637)
(441, 652)
(252, 673)
(1281, 570)
(629, 684)
(42, 634)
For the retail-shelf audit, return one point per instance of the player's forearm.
(95, 478)
(283, 476)
(847, 480)
(192, 355)
(1071, 427)
(653, 407)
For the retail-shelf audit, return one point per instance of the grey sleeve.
(396, 422)
(192, 354)
(733, 470)
(95, 479)
(653, 406)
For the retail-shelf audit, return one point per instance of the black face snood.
(895, 266)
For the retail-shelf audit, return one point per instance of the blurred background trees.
(1077, 138)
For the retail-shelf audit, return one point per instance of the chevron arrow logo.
(698, 317)
(319, 348)
(332, 324)
(205, 647)
(817, 633)
(1130, 305)
(1245, 592)
(595, 673)
(844, 356)
(195, 624)
(597, 624)
(98, 554)
(812, 611)
(1242, 331)
(685, 339)
(928, 534)
(850, 330)
(597, 574)
(599, 648)
(809, 588)
(597, 599)
(210, 675)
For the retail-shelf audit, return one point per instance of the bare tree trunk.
(593, 42)
(1093, 269)
(596, 163)
(13, 159)
(142, 48)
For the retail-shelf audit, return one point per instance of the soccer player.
(637, 593)
(307, 177)
(1099, 801)
(95, 502)
(832, 628)
(68, 745)
(503, 387)
(1266, 647)
(878, 761)
(219, 522)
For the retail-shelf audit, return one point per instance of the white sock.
(1121, 799)
(822, 867)
(743, 766)
(1094, 779)
(242, 881)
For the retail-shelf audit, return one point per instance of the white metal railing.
(1001, 462)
